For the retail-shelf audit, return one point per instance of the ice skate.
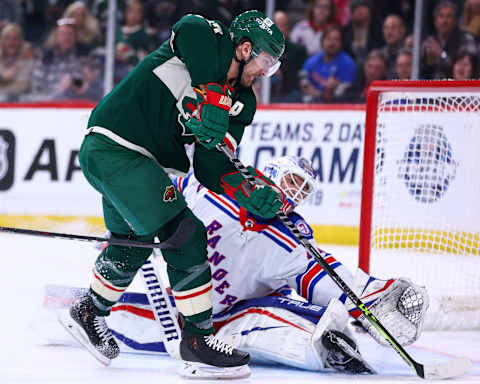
(206, 356)
(342, 354)
(90, 330)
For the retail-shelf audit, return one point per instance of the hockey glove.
(209, 122)
(263, 199)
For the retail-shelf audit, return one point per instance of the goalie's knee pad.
(399, 304)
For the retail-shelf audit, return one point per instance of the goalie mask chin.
(294, 176)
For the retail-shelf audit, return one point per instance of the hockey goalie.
(271, 298)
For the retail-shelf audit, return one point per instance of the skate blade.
(80, 335)
(191, 370)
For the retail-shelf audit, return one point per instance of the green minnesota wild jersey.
(147, 110)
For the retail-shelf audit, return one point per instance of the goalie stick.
(452, 368)
(162, 308)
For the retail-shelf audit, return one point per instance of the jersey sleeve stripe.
(314, 272)
(280, 236)
(317, 278)
(223, 205)
(230, 141)
(277, 240)
(178, 184)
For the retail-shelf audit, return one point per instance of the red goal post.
(420, 212)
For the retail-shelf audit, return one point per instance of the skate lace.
(218, 345)
(102, 329)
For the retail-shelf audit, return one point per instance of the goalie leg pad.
(285, 336)
(272, 335)
(399, 304)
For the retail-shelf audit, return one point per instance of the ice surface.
(30, 263)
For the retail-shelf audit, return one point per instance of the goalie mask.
(294, 176)
(267, 41)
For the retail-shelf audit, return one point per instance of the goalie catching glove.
(209, 122)
(263, 199)
(399, 304)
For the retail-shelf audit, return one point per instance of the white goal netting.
(426, 200)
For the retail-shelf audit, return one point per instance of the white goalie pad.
(399, 304)
(276, 335)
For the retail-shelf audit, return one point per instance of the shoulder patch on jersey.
(304, 228)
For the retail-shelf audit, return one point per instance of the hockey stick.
(445, 370)
(156, 291)
(69, 236)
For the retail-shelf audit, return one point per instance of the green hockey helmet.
(267, 41)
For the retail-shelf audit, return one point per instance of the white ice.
(30, 263)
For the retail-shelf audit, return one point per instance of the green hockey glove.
(209, 122)
(264, 199)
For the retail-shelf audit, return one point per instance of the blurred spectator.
(394, 35)
(133, 41)
(99, 10)
(89, 84)
(87, 28)
(404, 65)
(161, 15)
(408, 43)
(35, 20)
(404, 8)
(58, 66)
(330, 72)
(374, 68)
(428, 22)
(215, 9)
(361, 35)
(464, 66)
(286, 80)
(343, 11)
(53, 12)
(308, 32)
(439, 50)
(471, 17)
(16, 63)
(10, 12)
(240, 6)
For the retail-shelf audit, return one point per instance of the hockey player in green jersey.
(195, 88)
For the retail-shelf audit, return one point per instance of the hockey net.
(420, 214)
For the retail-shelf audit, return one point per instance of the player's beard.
(250, 73)
(247, 80)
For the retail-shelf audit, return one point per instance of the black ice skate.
(90, 330)
(343, 354)
(209, 357)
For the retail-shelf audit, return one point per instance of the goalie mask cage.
(420, 214)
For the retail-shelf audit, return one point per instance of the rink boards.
(42, 186)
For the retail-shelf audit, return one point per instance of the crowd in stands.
(55, 49)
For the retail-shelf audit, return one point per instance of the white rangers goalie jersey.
(251, 257)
